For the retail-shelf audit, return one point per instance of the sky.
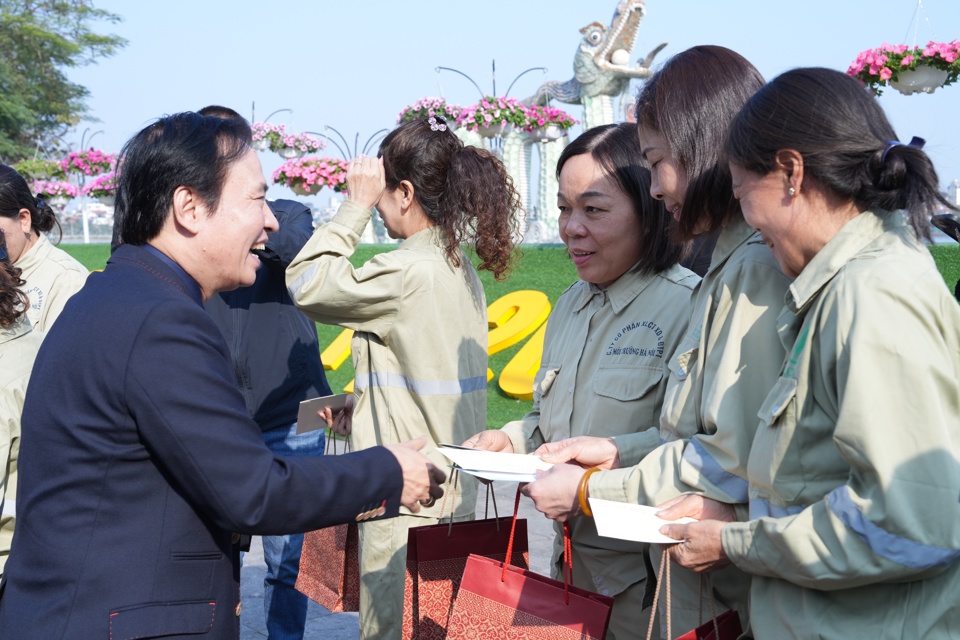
(353, 65)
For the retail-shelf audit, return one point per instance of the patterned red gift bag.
(501, 602)
(436, 557)
(330, 564)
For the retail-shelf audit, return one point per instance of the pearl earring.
(792, 192)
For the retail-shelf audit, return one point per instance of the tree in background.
(39, 41)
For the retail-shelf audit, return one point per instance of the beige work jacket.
(420, 343)
(51, 276)
(603, 373)
(19, 344)
(855, 470)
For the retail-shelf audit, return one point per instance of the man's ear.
(188, 210)
(791, 163)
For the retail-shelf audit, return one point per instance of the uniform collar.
(736, 233)
(621, 293)
(35, 254)
(423, 238)
(847, 243)
(192, 288)
(19, 327)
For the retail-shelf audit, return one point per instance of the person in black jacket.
(276, 358)
(134, 480)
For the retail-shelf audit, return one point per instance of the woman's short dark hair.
(15, 195)
(13, 302)
(465, 191)
(184, 149)
(844, 138)
(691, 101)
(616, 148)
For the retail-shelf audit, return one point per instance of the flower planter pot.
(923, 79)
(260, 145)
(306, 190)
(492, 131)
(288, 153)
(107, 200)
(548, 133)
(57, 202)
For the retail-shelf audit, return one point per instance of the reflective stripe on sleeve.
(760, 508)
(909, 553)
(422, 387)
(700, 459)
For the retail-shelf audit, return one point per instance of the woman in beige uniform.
(729, 357)
(50, 273)
(854, 527)
(607, 341)
(419, 316)
(18, 349)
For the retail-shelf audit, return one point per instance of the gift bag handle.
(332, 438)
(665, 567)
(567, 557)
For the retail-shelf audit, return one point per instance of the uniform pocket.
(625, 400)
(159, 619)
(626, 383)
(684, 358)
(780, 397)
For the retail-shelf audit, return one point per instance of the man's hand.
(422, 480)
(365, 181)
(690, 505)
(342, 422)
(587, 451)
(554, 492)
(490, 440)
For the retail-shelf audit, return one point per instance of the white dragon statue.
(601, 66)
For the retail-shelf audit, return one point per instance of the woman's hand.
(701, 548)
(587, 451)
(554, 492)
(490, 440)
(365, 181)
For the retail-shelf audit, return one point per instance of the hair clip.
(436, 126)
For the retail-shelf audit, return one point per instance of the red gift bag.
(330, 568)
(726, 626)
(497, 601)
(330, 564)
(436, 557)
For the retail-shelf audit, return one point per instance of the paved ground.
(321, 624)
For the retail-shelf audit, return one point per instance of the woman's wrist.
(583, 492)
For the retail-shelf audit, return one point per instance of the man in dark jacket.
(138, 457)
(276, 358)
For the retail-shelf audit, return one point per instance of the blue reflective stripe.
(909, 553)
(700, 459)
(422, 387)
(760, 508)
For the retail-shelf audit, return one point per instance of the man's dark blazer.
(139, 459)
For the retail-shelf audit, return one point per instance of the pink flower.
(885, 73)
(907, 61)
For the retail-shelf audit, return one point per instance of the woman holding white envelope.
(607, 341)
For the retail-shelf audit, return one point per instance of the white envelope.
(495, 465)
(627, 521)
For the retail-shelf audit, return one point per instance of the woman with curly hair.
(419, 316)
(18, 349)
(51, 275)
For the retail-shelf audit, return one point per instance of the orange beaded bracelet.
(582, 492)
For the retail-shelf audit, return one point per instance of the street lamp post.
(84, 214)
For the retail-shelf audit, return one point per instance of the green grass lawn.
(542, 268)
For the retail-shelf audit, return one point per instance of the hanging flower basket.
(545, 124)
(90, 162)
(54, 189)
(430, 108)
(908, 70)
(490, 116)
(39, 169)
(306, 176)
(101, 188)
